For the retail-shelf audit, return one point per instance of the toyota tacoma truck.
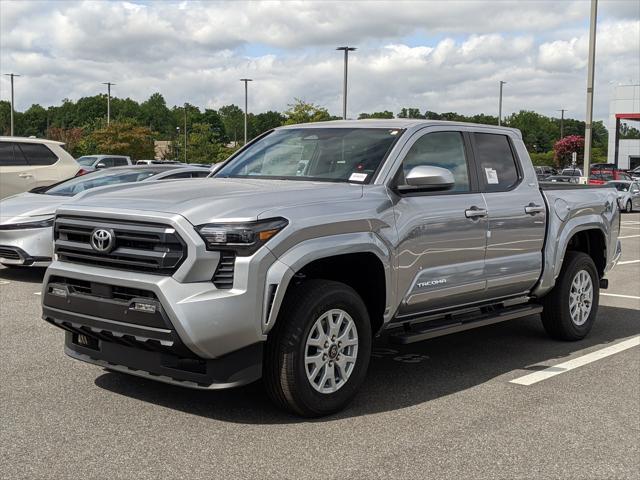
(314, 239)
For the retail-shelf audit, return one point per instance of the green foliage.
(124, 138)
(155, 115)
(544, 158)
(263, 122)
(233, 120)
(386, 114)
(305, 112)
(565, 147)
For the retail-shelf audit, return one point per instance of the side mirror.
(100, 165)
(428, 178)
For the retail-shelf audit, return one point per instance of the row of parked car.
(37, 176)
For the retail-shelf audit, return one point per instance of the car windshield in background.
(621, 187)
(572, 173)
(86, 161)
(318, 154)
(102, 178)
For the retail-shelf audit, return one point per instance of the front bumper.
(29, 247)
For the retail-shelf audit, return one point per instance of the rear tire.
(323, 327)
(570, 309)
(629, 207)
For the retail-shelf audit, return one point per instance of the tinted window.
(496, 164)
(200, 174)
(9, 157)
(86, 161)
(178, 175)
(108, 162)
(38, 154)
(440, 149)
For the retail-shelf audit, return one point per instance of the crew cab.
(314, 239)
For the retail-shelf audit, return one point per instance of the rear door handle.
(475, 212)
(25, 175)
(532, 209)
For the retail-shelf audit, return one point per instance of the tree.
(124, 138)
(214, 120)
(410, 113)
(34, 121)
(565, 147)
(71, 137)
(233, 121)
(265, 121)
(5, 117)
(305, 112)
(155, 115)
(385, 114)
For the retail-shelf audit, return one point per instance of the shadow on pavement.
(23, 274)
(446, 365)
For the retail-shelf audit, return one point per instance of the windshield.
(621, 187)
(102, 178)
(319, 154)
(572, 172)
(86, 161)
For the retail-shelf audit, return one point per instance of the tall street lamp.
(108, 84)
(590, 74)
(11, 75)
(562, 110)
(500, 104)
(246, 102)
(185, 133)
(346, 66)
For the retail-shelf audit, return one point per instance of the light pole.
(177, 144)
(185, 133)
(562, 110)
(246, 103)
(108, 84)
(590, 74)
(11, 75)
(500, 104)
(346, 67)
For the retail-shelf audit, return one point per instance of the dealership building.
(624, 108)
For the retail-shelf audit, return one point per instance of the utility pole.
(11, 75)
(562, 110)
(500, 104)
(246, 103)
(590, 74)
(185, 133)
(344, 86)
(108, 84)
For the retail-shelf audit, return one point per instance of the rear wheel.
(570, 309)
(317, 355)
(629, 207)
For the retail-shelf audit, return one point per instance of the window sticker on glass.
(358, 177)
(492, 175)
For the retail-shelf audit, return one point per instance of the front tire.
(317, 354)
(570, 309)
(628, 207)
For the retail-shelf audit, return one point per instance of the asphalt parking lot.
(445, 408)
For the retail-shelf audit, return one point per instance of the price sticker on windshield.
(358, 177)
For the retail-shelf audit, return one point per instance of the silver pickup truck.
(314, 239)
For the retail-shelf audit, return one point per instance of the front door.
(441, 235)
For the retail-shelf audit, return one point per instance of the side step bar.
(425, 332)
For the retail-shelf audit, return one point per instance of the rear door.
(15, 174)
(442, 235)
(516, 214)
(42, 163)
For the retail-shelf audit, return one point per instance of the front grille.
(9, 253)
(223, 277)
(139, 246)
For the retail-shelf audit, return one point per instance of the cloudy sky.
(435, 55)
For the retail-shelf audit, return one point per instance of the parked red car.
(602, 173)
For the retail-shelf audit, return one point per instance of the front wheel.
(570, 309)
(629, 207)
(317, 355)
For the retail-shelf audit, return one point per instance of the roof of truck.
(404, 123)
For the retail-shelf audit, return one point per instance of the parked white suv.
(26, 163)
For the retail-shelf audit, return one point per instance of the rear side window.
(497, 166)
(38, 154)
(119, 162)
(10, 155)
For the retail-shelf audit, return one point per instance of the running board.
(418, 334)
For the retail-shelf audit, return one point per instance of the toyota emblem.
(102, 240)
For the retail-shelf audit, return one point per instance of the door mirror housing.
(427, 178)
(100, 165)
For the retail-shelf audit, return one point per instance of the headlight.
(47, 222)
(243, 238)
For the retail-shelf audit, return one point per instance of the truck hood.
(219, 199)
(14, 209)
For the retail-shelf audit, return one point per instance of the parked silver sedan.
(628, 194)
(26, 219)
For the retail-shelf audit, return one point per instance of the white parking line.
(627, 262)
(630, 236)
(619, 296)
(4, 282)
(37, 293)
(536, 377)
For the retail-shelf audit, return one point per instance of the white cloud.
(443, 56)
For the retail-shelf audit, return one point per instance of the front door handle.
(475, 212)
(532, 209)
(25, 175)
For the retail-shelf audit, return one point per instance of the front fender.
(293, 260)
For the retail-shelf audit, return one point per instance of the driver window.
(441, 149)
